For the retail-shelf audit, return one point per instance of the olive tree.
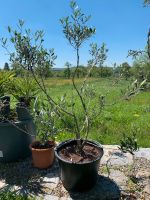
(30, 54)
(76, 30)
(146, 2)
(137, 54)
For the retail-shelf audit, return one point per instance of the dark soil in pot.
(88, 153)
(79, 172)
(39, 145)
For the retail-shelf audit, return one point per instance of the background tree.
(141, 67)
(103, 56)
(80, 72)
(6, 66)
(126, 70)
(107, 72)
(45, 70)
(17, 69)
(67, 71)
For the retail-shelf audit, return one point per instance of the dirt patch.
(88, 153)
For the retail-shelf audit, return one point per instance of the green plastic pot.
(14, 143)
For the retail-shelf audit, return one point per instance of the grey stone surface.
(2, 184)
(50, 181)
(45, 184)
(50, 197)
(147, 192)
(106, 188)
(143, 153)
(113, 156)
(147, 188)
(119, 177)
(146, 197)
(143, 174)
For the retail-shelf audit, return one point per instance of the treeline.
(140, 70)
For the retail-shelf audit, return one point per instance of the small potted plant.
(43, 148)
(5, 77)
(14, 134)
(24, 89)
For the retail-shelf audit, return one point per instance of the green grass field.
(118, 117)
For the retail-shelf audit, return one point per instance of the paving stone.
(147, 188)
(143, 174)
(143, 153)
(50, 197)
(146, 197)
(113, 156)
(50, 182)
(111, 147)
(147, 192)
(53, 180)
(15, 187)
(119, 177)
(106, 189)
(2, 184)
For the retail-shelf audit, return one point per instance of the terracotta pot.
(43, 158)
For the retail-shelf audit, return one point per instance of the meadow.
(118, 117)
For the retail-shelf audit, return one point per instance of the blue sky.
(121, 24)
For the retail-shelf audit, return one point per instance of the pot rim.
(95, 143)
(16, 123)
(34, 149)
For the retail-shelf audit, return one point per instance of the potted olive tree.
(43, 148)
(78, 158)
(25, 91)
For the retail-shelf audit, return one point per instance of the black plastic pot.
(78, 177)
(14, 143)
(26, 100)
(23, 112)
(5, 98)
(5, 110)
